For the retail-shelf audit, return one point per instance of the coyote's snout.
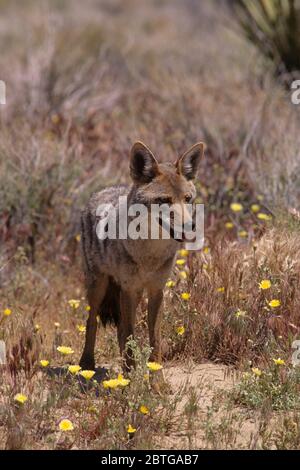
(119, 270)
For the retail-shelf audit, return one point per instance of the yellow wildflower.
(221, 289)
(265, 284)
(256, 371)
(87, 374)
(154, 366)
(7, 312)
(130, 429)
(279, 362)
(206, 250)
(115, 383)
(236, 207)
(180, 330)
(180, 262)
(185, 296)
(88, 308)
(274, 303)
(229, 225)
(66, 425)
(78, 237)
(170, 284)
(255, 208)
(243, 234)
(44, 363)
(183, 275)
(74, 303)
(263, 216)
(65, 350)
(20, 398)
(144, 410)
(123, 382)
(183, 253)
(81, 328)
(74, 369)
(37, 327)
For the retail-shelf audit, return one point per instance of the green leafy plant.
(273, 26)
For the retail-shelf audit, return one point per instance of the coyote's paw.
(87, 363)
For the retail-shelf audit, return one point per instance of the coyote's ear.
(143, 165)
(188, 164)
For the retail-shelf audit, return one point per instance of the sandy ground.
(206, 379)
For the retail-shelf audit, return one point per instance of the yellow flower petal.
(183, 253)
(243, 234)
(65, 350)
(122, 382)
(7, 312)
(185, 296)
(256, 371)
(265, 284)
(131, 430)
(180, 262)
(74, 369)
(87, 374)
(74, 303)
(236, 207)
(279, 362)
(44, 362)
(255, 208)
(183, 275)
(20, 398)
(115, 383)
(66, 425)
(274, 303)
(81, 328)
(180, 330)
(154, 366)
(170, 284)
(263, 216)
(144, 410)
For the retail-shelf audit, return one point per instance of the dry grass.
(83, 84)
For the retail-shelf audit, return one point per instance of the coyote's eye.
(163, 200)
(188, 198)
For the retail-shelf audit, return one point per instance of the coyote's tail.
(110, 308)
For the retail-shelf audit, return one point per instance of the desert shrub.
(273, 27)
(277, 386)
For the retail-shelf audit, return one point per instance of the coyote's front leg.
(95, 294)
(155, 297)
(128, 305)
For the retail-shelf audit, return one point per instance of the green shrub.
(273, 26)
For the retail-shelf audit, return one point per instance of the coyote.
(117, 271)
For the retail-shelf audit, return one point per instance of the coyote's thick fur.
(118, 271)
